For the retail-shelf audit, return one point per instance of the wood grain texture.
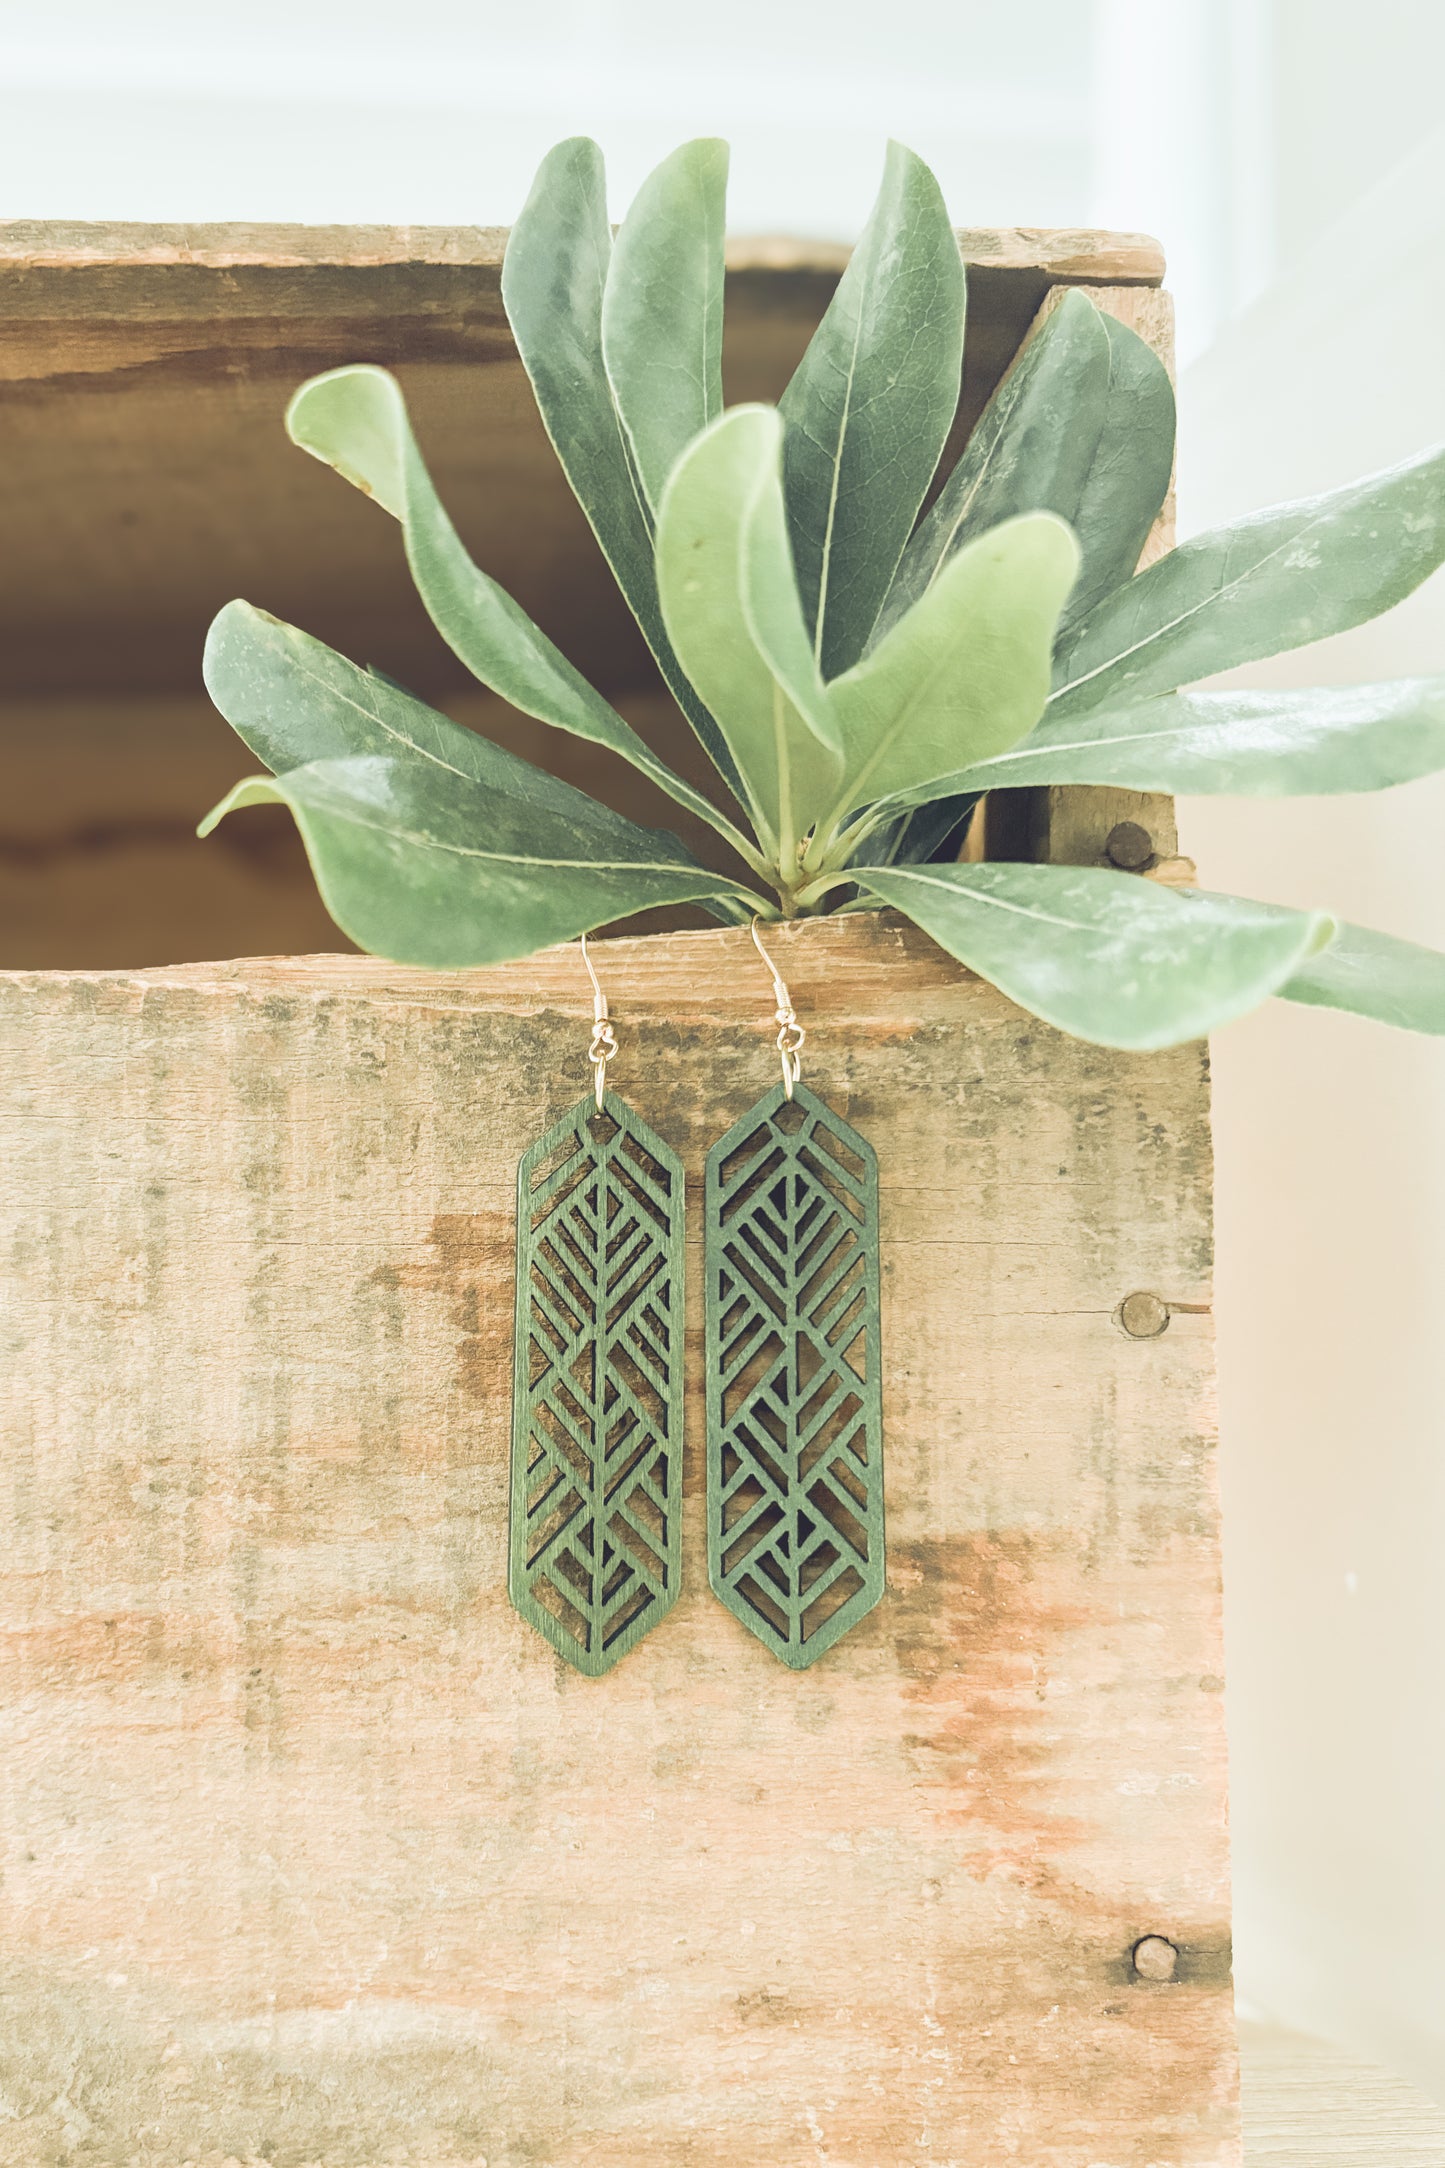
(100, 866)
(313, 1852)
(58, 244)
(1307, 2105)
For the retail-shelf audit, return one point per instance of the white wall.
(1331, 1212)
(1182, 146)
(314, 110)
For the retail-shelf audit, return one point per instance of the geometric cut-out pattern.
(794, 1409)
(596, 1492)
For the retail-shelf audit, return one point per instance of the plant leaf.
(1305, 742)
(922, 833)
(967, 667)
(1031, 451)
(730, 600)
(870, 407)
(355, 420)
(553, 278)
(292, 699)
(1129, 474)
(1376, 975)
(431, 868)
(662, 309)
(1106, 956)
(1277, 580)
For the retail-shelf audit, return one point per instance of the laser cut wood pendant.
(794, 1406)
(596, 1530)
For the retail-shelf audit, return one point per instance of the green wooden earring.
(794, 1388)
(595, 1519)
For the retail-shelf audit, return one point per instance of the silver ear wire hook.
(791, 1034)
(604, 1039)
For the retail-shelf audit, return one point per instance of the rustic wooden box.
(313, 1853)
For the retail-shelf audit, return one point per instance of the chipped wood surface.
(1078, 254)
(314, 1852)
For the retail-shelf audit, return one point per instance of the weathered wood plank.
(314, 1851)
(99, 861)
(1072, 253)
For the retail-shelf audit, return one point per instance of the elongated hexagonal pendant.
(794, 1400)
(596, 1533)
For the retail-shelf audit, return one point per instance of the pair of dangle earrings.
(792, 1364)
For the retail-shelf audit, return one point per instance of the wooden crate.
(313, 1852)
(144, 373)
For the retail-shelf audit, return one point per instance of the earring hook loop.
(791, 1035)
(604, 1039)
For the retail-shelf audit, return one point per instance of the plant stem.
(802, 898)
(833, 847)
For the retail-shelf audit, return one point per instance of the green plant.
(860, 676)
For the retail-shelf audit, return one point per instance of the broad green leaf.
(355, 420)
(1032, 449)
(293, 700)
(730, 601)
(553, 279)
(1129, 474)
(1376, 975)
(1106, 956)
(966, 670)
(870, 407)
(937, 830)
(662, 309)
(1300, 743)
(427, 867)
(934, 829)
(1278, 580)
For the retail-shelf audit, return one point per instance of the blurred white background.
(1283, 151)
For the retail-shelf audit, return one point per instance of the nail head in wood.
(1155, 1958)
(1129, 847)
(1143, 1316)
